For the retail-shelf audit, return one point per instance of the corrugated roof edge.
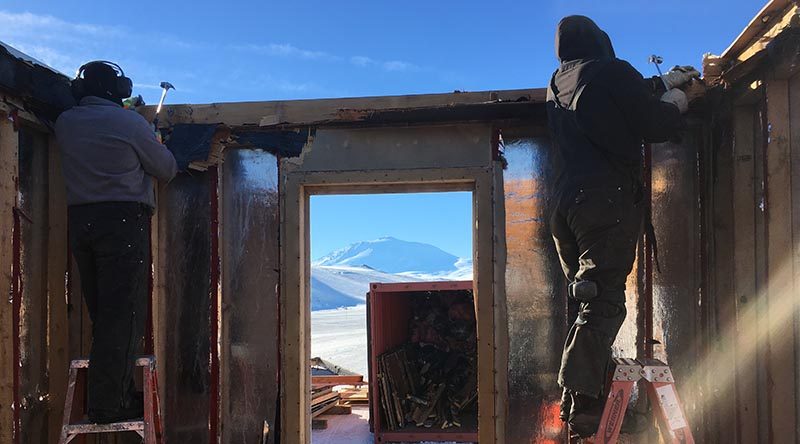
(27, 58)
(33, 87)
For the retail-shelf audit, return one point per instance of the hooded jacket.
(600, 109)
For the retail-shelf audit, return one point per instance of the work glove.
(677, 98)
(680, 75)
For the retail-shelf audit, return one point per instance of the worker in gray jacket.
(110, 156)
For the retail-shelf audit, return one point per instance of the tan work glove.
(677, 98)
(679, 76)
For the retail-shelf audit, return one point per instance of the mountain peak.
(392, 255)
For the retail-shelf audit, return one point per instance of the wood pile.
(323, 399)
(431, 381)
(355, 396)
(326, 401)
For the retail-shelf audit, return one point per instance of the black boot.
(584, 417)
(634, 422)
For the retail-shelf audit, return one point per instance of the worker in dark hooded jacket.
(600, 112)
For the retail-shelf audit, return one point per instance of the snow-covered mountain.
(392, 255)
(342, 278)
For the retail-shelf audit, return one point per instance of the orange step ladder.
(660, 383)
(149, 427)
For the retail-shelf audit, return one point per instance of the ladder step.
(127, 426)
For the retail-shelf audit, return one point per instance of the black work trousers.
(596, 225)
(111, 245)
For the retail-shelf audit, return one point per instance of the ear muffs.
(122, 90)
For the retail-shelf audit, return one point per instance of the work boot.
(134, 410)
(634, 422)
(566, 405)
(584, 417)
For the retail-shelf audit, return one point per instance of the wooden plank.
(500, 310)
(759, 328)
(57, 323)
(338, 380)
(483, 256)
(295, 386)
(319, 410)
(781, 291)
(744, 276)
(321, 110)
(321, 399)
(9, 164)
(721, 324)
(749, 40)
(794, 121)
(340, 409)
(159, 236)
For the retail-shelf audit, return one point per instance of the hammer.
(654, 59)
(165, 86)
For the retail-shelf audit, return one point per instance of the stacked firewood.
(431, 381)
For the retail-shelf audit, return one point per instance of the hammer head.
(167, 86)
(652, 59)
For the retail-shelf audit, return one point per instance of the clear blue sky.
(243, 50)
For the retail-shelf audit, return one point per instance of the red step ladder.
(149, 427)
(661, 391)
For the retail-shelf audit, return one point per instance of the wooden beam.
(483, 256)
(781, 291)
(744, 273)
(500, 310)
(57, 323)
(9, 164)
(298, 112)
(158, 236)
(772, 19)
(794, 121)
(295, 389)
(338, 380)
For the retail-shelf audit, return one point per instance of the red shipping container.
(388, 316)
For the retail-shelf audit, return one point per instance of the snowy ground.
(340, 336)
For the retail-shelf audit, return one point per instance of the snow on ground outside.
(343, 286)
(340, 336)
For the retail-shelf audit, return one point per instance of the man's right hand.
(678, 98)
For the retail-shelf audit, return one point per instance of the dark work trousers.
(596, 225)
(111, 245)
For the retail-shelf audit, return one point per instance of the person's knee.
(583, 291)
(605, 317)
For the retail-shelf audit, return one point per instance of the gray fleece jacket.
(110, 154)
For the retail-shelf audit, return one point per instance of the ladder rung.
(127, 426)
(140, 362)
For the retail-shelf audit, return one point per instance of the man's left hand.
(680, 75)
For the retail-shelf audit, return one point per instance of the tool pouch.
(583, 291)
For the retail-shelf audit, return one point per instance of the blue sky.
(242, 50)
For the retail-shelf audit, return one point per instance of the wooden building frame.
(295, 289)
